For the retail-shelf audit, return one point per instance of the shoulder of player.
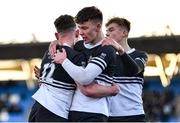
(108, 47)
(70, 51)
(139, 53)
(79, 45)
(67, 48)
(80, 42)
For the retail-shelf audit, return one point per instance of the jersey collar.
(90, 46)
(130, 51)
(65, 44)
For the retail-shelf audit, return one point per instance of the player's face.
(88, 31)
(115, 32)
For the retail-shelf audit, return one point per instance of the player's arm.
(36, 72)
(53, 47)
(135, 65)
(95, 90)
(110, 41)
(82, 75)
(85, 75)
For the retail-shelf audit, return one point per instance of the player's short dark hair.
(120, 21)
(64, 23)
(89, 14)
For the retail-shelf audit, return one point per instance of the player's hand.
(115, 87)
(60, 56)
(110, 41)
(52, 47)
(36, 72)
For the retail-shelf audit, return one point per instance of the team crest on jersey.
(103, 55)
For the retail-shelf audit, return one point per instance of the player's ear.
(125, 33)
(98, 27)
(77, 33)
(56, 35)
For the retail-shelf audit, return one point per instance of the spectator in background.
(14, 100)
(4, 114)
(168, 110)
(177, 108)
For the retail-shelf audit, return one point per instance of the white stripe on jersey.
(99, 61)
(59, 84)
(104, 78)
(129, 80)
(142, 60)
(68, 84)
(128, 77)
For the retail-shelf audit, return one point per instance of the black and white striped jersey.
(57, 88)
(53, 74)
(129, 76)
(105, 58)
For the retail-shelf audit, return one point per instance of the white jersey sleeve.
(82, 75)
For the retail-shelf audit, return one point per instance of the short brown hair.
(120, 21)
(64, 23)
(91, 13)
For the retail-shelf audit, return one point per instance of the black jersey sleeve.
(74, 56)
(106, 56)
(135, 64)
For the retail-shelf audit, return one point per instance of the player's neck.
(125, 45)
(67, 40)
(99, 38)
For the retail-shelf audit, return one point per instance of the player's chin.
(89, 41)
(86, 41)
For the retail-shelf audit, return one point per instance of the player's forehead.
(113, 25)
(85, 24)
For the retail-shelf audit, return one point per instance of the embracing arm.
(96, 65)
(53, 47)
(134, 65)
(96, 91)
(84, 76)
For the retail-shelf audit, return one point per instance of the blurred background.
(26, 29)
